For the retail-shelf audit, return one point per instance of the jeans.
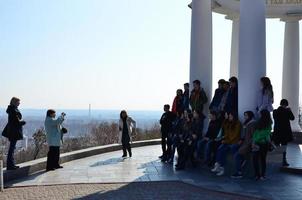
(259, 160)
(201, 146)
(10, 156)
(238, 161)
(164, 138)
(53, 157)
(222, 151)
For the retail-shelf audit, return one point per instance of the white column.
(1, 176)
(234, 45)
(201, 46)
(290, 80)
(252, 53)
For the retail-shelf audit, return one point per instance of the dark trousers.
(186, 153)
(126, 146)
(10, 156)
(211, 151)
(259, 160)
(164, 138)
(53, 157)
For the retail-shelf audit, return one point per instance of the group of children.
(182, 129)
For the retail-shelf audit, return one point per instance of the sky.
(126, 54)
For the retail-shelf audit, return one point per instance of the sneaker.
(124, 156)
(237, 175)
(220, 171)
(216, 167)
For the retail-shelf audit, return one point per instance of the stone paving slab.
(145, 166)
(119, 191)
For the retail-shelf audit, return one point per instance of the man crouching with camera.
(54, 131)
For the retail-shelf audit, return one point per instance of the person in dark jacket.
(177, 131)
(208, 142)
(186, 96)
(186, 142)
(217, 96)
(198, 97)
(223, 105)
(13, 131)
(232, 102)
(282, 129)
(166, 121)
(178, 104)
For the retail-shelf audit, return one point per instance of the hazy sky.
(129, 54)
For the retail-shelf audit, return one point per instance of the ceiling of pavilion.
(275, 8)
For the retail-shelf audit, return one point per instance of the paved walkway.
(146, 167)
(134, 191)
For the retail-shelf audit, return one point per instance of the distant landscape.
(79, 122)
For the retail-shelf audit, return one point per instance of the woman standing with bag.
(282, 129)
(126, 127)
(260, 144)
(13, 131)
(53, 128)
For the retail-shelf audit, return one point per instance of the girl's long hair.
(265, 120)
(267, 86)
(121, 114)
(250, 115)
(14, 101)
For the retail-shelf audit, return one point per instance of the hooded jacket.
(14, 127)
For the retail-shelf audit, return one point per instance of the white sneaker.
(220, 171)
(216, 167)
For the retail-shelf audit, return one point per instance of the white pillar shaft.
(234, 48)
(290, 81)
(201, 45)
(252, 53)
(1, 176)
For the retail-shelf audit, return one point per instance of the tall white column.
(290, 80)
(201, 46)
(234, 46)
(252, 53)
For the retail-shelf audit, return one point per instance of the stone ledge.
(291, 170)
(297, 138)
(31, 167)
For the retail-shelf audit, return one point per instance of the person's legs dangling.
(256, 164)
(263, 154)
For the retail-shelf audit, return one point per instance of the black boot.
(124, 153)
(129, 151)
(284, 162)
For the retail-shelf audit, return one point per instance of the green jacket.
(198, 99)
(262, 136)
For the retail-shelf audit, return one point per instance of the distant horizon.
(114, 55)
